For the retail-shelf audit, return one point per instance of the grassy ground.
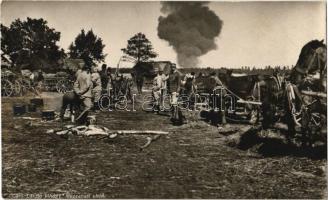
(193, 161)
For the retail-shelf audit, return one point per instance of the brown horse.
(299, 111)
(312, 60)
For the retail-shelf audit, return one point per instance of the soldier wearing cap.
(159, 84)
(218, 88)
(174, 80)
(174, 89)
(97, 86)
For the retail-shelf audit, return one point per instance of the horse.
(309, 75)
(312, 59)
(298, 111)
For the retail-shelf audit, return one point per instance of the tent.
(73, 64)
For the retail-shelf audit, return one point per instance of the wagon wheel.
(17, 87)
(7, 88)
(26, 85)
(296, 115)
(313, 123)
(39, 87)
(63, 86)
(253, 111)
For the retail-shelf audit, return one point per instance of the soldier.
(104, 77)
(83, 87)
(158, 87)
(188, 83)
(218, 86)
(97, 87)
(174, 80)
(174, 88)
(139, 78)
(109, 85)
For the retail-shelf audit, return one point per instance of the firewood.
(149, 141)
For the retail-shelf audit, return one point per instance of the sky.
(253, 33)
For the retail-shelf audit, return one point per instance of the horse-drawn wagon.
(306, 94)
(237, 96)
(60, 82)
(14, 84)
(301, 100)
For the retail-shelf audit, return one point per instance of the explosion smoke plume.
(190, 28)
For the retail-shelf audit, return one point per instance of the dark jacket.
(174, 82)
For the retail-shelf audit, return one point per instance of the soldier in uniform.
(104, 77)
(159, 84)
(174, 80)
(109, 86)
(174, 89)
(83, 87)
(97, 86)
(218, 88)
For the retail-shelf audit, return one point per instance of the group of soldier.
(91, 82)
(176, 86)
(166, 84)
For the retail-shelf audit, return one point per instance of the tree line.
(32, 44)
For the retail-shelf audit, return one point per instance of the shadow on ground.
(269, 146)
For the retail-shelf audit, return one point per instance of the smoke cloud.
(190, 28)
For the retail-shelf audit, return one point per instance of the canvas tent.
(72, 64)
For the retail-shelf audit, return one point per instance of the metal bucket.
(48, 114)
(19, 110)
(38, 102)
(31, 107)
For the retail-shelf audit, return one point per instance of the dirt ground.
(194, 161)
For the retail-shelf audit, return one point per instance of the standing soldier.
(165, 77)
(158, 85)
(188, 84)
(83, 87)
(104, 77)
(139, 78)
(109, 86)
(218, 86)
(174, 80)
(174, 87)
(156, 90)
(97, 87)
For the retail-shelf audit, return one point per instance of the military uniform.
(83, 87)
(174, 88)
(174, 82)
(218, 86)
(96, 81)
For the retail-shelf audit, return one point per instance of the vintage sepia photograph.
(163, 99)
